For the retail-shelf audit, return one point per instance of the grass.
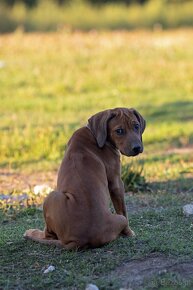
(50, 85)
(132, 177)
(23, 262)
(82, 16)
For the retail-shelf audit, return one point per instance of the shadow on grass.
(22, 163)
(176, 111)
(171, 157)
(175, 186)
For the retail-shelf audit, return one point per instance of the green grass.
(23, 262)
(50, 85)
(53, 83)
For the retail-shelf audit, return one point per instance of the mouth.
(135, 154)
(131, 153)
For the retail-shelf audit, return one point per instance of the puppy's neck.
(113, 148)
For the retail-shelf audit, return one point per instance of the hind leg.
(114, 227)
(119, 226)
(40, 236)
(128, 232)
(46, 238)
(34, 233)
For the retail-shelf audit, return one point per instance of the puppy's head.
(122, 127)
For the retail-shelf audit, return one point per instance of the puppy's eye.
(136, 127)
(120, 131)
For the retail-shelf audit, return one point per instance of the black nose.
(136, 149)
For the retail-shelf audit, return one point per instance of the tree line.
(33, 3)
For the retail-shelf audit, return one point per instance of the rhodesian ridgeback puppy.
(77, 214)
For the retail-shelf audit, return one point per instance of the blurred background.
(62, 61)
(51, 15)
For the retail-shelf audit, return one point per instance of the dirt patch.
(183, 150)
(133, 274)
(18, 181)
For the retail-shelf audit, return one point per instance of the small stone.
(49, 269)
(91, 287)
(125, 289)
(164, 271)
(42, 189)
(188, 209)
(2, 64)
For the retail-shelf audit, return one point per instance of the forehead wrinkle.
(124, 118)
(129, 119)
(122, 113)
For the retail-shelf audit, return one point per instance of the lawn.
(50, 84)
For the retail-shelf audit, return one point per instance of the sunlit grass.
(51, 84)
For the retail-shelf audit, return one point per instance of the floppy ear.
(98, 125)
(140, 119)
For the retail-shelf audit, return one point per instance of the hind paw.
(28, 233)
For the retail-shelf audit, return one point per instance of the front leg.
(116, 190)
(117, 193)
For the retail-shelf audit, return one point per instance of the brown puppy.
(77, 214)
